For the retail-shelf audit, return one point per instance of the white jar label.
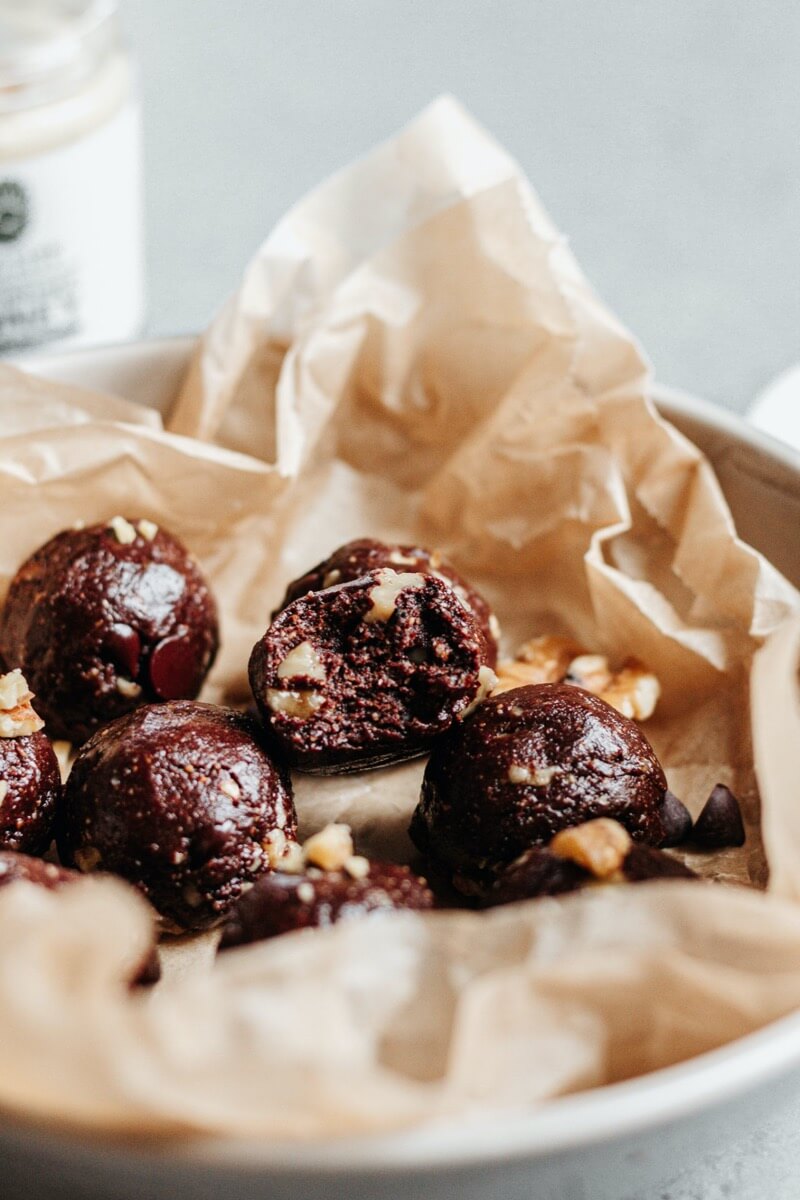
(71, 241)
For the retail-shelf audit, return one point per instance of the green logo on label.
(13, 209)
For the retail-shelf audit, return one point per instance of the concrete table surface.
(661, 137)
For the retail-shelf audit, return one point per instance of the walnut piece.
(17, 717)
(294, 703)
(633, 690)
(302, 660)
(600, 846)
(330, 848)
(123, 530)
(148, 530)
(385, 591)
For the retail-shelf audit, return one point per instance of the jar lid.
(48, 46)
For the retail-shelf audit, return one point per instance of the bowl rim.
(569, 1123)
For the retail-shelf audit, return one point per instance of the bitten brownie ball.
(528, 763)
(30, 781)
(357, 558)
(368, 672)
(281, 903)
(181, 800)
(106, 618)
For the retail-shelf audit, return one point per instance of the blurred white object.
(776, 410)
(71, 244)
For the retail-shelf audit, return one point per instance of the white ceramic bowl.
(606, 1144)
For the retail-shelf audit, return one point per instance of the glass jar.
(71, 229)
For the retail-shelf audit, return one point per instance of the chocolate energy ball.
(281, 903)
(368, 672)
(106, 618)
(30, 781)
(363, 555)
(528, 763)
(180, 799)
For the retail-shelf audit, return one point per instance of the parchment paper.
(413, 353)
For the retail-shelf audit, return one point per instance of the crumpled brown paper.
(413, 353)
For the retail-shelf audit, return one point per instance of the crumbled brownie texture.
(282, 903)
(184, 802)
(368, 672)
(363, 555)
(105, 618)
(527, 764)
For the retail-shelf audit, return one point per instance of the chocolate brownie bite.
(30, 781)
(327, 883)
(527, 764)
(184, 802)
(106, 618)
(368, 672)
(363, 555)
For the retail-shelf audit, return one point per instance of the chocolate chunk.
(720, 823)
(363, 555)
(527, 764)
(176, 668)
(88, 609)
(281, 903)
(125, 646)
(181, 800)
(646, 862)
(676, 819)
(368, 672)
(537, 872)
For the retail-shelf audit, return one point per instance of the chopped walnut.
(88, 858)
(487, 681)
(123, 531)
(330, 848)
(229, 787)
(383, 594)
(600, 846)
(541, 660)
(17, 717)
(128, 688)
(633, 690)
(357, 867)
(294, 703)
(13, 689)
(3, 790)
(292, 859)
(538, 776)
(303, 660)
(148, 530)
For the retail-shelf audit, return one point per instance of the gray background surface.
(661, 134)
